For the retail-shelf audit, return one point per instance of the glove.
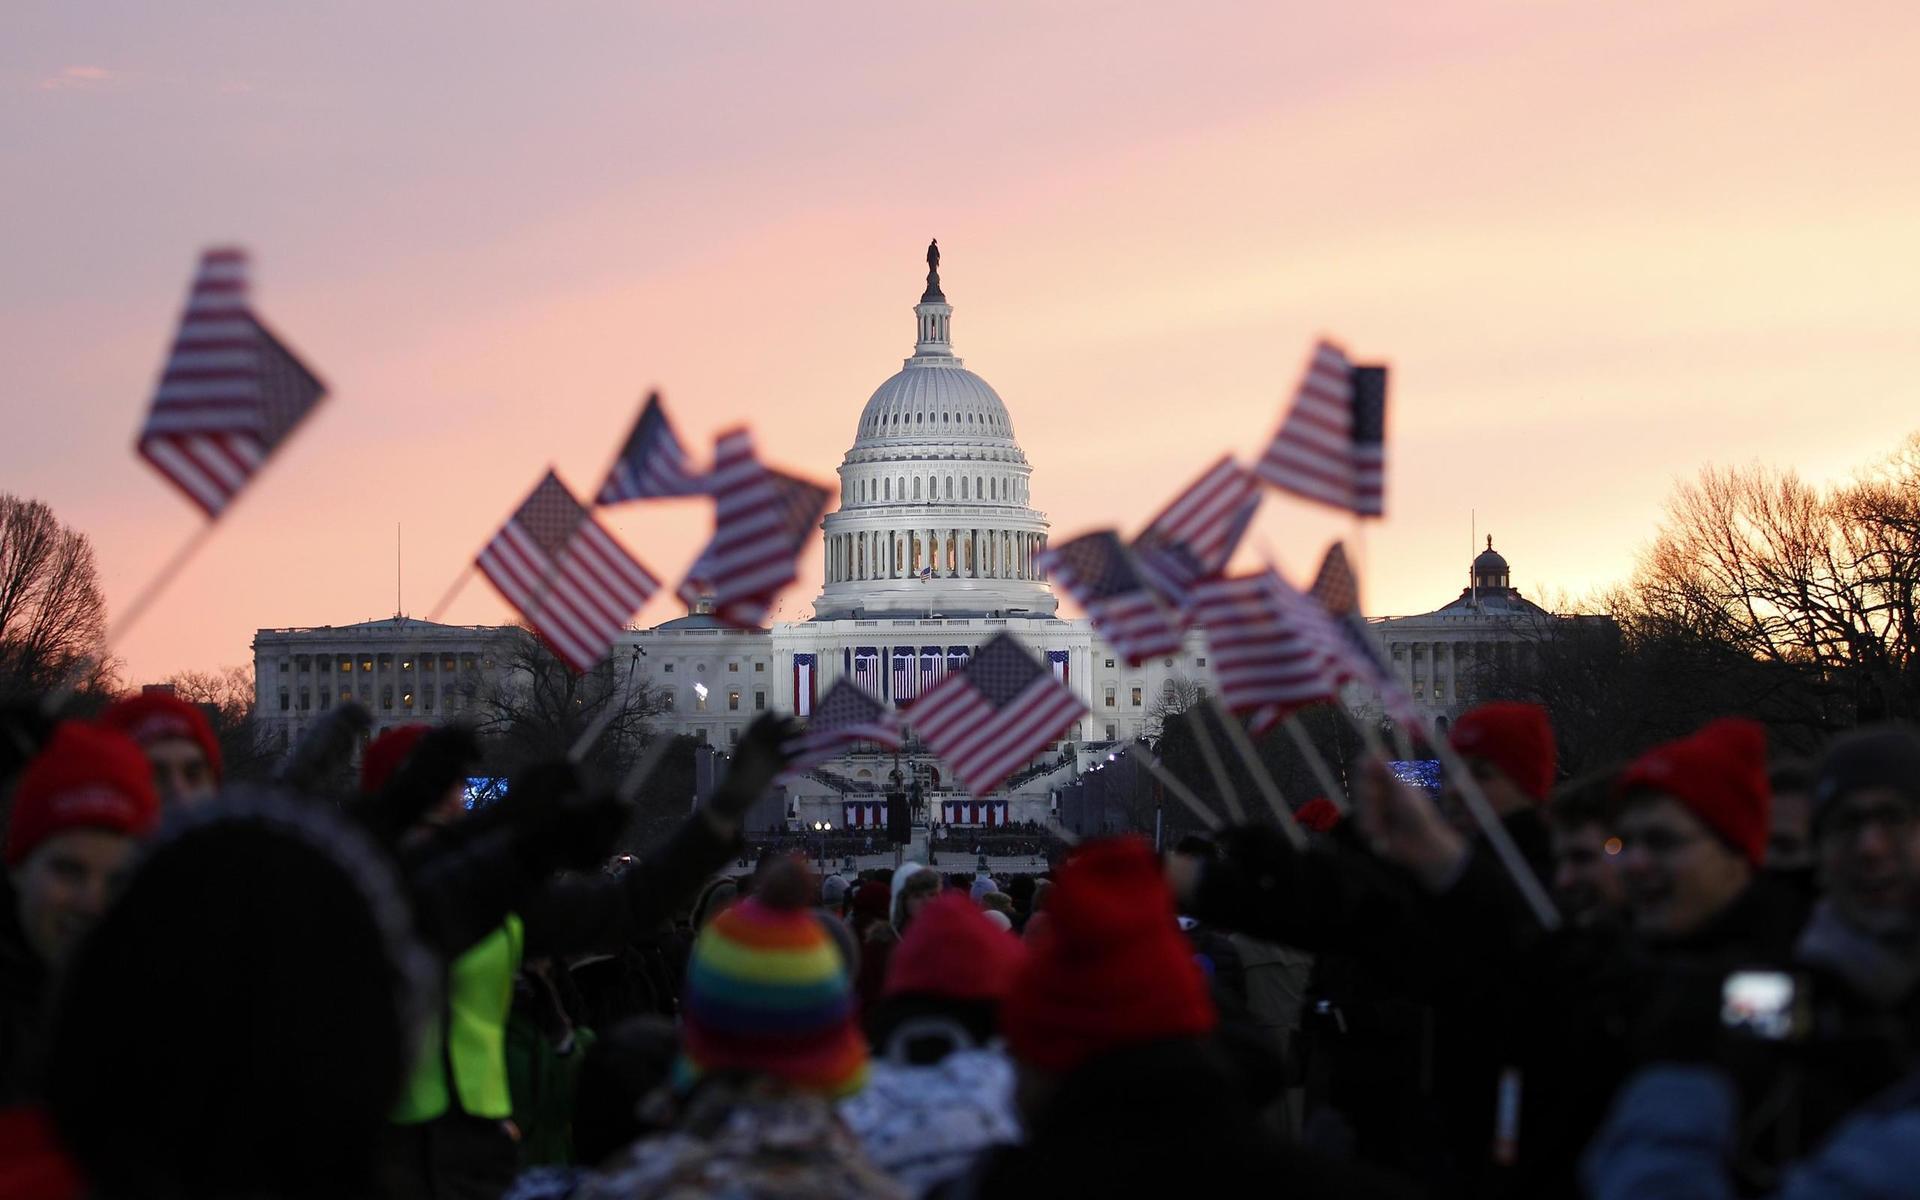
(437, 765)
(560, 825)
(757, 761)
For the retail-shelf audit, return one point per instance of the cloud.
(76, 77)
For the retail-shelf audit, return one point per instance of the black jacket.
(1158, 1120)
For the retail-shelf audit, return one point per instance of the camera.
(1770, 1005)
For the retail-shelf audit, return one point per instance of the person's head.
(178, 741)
(1866, 827)
(913, 886)
(1691, 817)
(1790, 831)
(998, 902)
(833, 892)
(980, 886)
(1586, 883)
(240, 1021)
(1109, 970)
(945, 982)
(79, 809)
(769, 995)
(623, 1066)
(872, 901)
(388, 753)
(1508, 748)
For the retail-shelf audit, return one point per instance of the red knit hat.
(952, 950)
(386, 753)
(1317, 815)
(150, 717)
(1517, 738)
(1111, 968)
(85, 778)
(1720, 774)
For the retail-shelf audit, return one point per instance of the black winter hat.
(1878, 756)
(240, 1021)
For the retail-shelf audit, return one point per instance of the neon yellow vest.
(470, 1034)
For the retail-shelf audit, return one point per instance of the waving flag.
(1194, 537)
(845, 717)
(1266, 658)
(993, 715)
(566, 575)
(1096, 570)
(1331, 447)
(762, 520)
(652, 464)
(1352, 652)
(229, 394)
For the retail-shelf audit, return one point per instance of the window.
(700, 668)
(734, 667)
(286, 664)
(346, 663)
(428, 662)
(1109, 664)
(426, 698)
(666, 700)
(386, 699)
(667, 670)
(1136, 697)
(1109, 697)
(386, 662)
(1169, 662)
(699, 698)
(733, 701)
(1200, 661)
(733, 737)
(466, 662)
(446, 662)
(366, 663)
(1113, 733)
(406, 699)
(286, 701)
(949, 487)
(306, 700)
(963, 487)
(889, 488)
(326, 699)
(305, 663)
(759, 666)
(759, 702)
(406, 664)
(916, 488)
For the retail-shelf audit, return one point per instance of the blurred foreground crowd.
(241, 992)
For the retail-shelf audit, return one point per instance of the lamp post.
(821, 829)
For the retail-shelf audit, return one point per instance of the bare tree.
(227, 696)
(537, 707)
(52, 613)
(1175, 697)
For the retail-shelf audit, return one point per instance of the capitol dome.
(933, 516)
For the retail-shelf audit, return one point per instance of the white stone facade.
(400, 669)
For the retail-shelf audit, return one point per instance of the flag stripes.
(1331, 446)
(846, 717)
(995, 714)
(652, 465)
(1263, 654)
(1195, 536)
(575, 585)
(1098, 572)
(229, 393)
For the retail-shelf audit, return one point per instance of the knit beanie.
(240, 1020)
(156, 716)
(1882, 756)
(768, 993)
(872, 900)
(1317, 815)
(1110, 968)
(85, 778)
(1719, 773)
(387, 754)
(952, 951)
(1517, 738)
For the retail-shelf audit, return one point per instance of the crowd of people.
(225, 991)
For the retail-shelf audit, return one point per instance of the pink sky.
(1598, 250)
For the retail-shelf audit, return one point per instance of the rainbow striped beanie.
(767, 993)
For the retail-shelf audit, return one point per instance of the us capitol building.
(930, 554)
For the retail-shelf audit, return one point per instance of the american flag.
(762, 520)
(1265, 657)
(1332, 445)
(574, 584)
(1096, 570)
(229, 394)
(866, 668)
(1352, 653)
(906, 675)
(652, 464)
(1195, 536)
(998, 712)
(845, 717)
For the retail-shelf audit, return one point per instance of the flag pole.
(130, 616)
(1322, 773)
(644, 768)
(1210, 754)
(1180, 790)
(1262, 778)
(577, 753)
(446, 601)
